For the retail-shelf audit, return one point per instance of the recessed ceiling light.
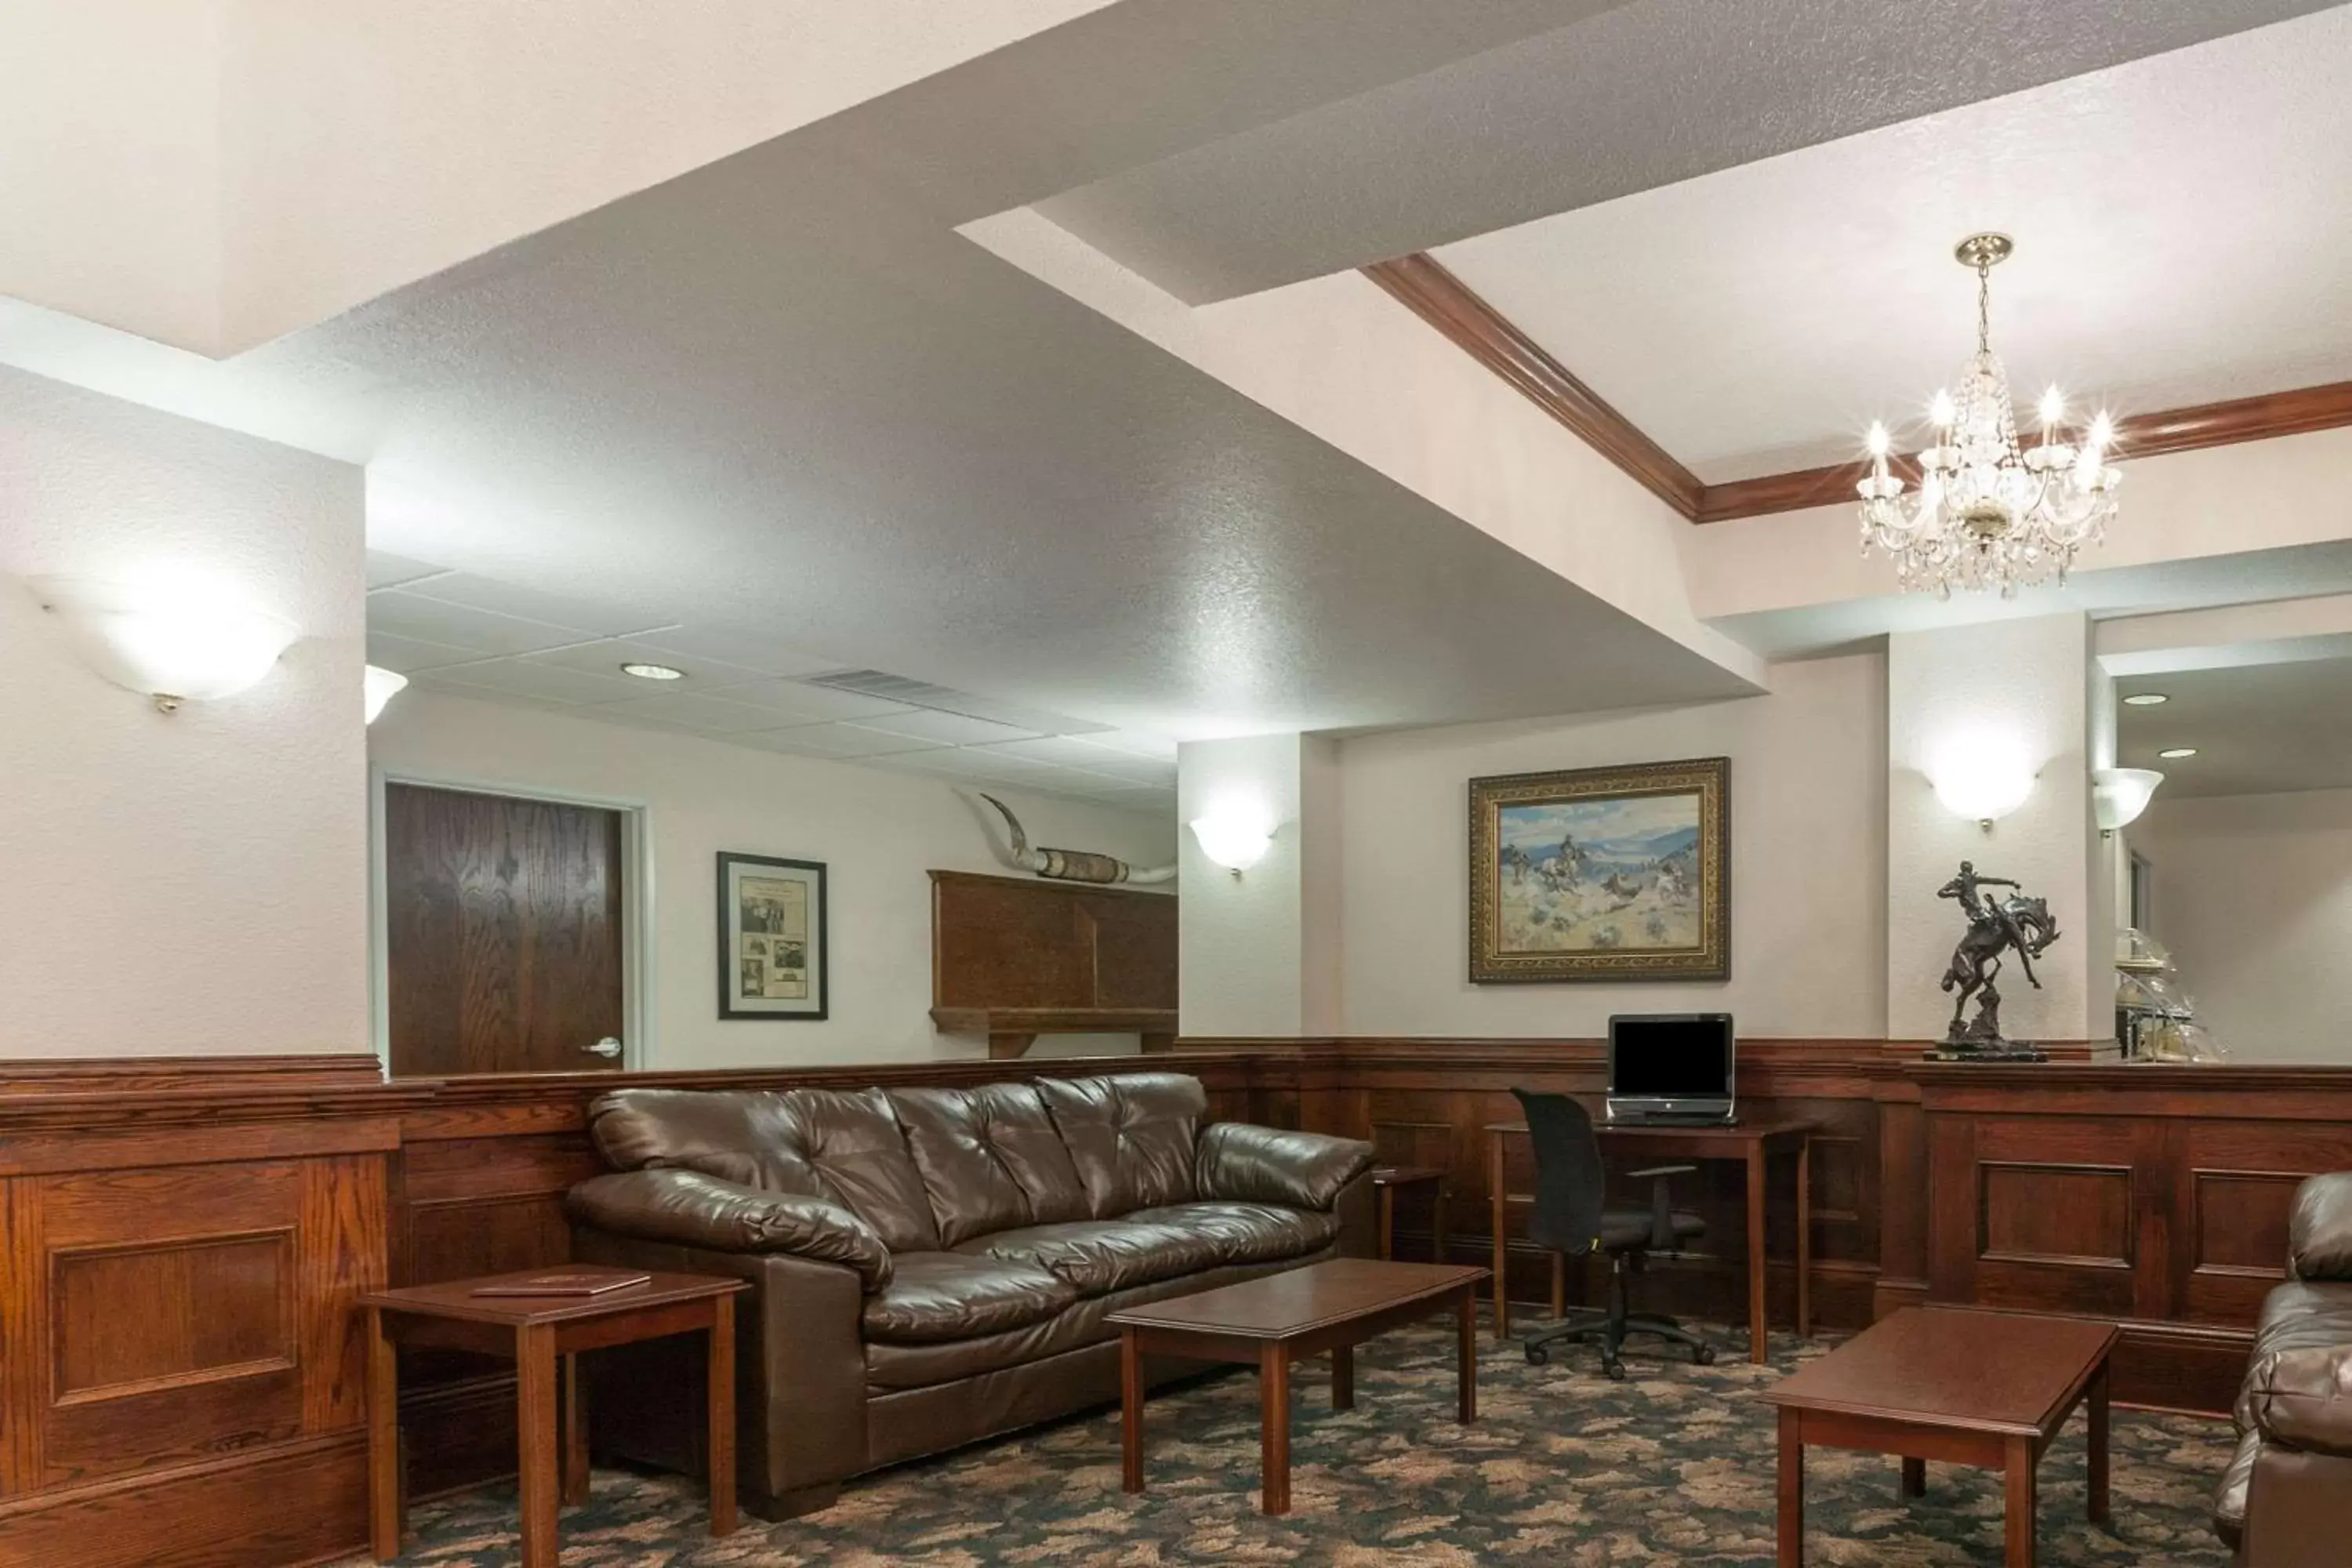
(652, 672)
(2145, 699)
(2177, 752)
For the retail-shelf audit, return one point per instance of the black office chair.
(1573, 1216)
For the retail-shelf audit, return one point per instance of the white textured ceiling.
(2183, 236)
(2262, 729)
(501, 642)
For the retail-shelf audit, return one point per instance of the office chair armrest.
(1661, 1204)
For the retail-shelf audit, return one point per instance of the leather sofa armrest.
(2319, 1233)
(2302, 1399)
(1237, 1162)
(687, 1208)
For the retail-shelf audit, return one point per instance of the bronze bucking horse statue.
(2013, 923)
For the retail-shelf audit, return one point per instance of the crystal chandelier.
(1987, 514)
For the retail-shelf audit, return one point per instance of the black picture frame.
(736, 957)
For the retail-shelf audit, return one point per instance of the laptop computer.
(1673, 1068)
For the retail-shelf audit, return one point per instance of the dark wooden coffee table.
(542, 1334)
(1988, 1389)
(1268, 1323)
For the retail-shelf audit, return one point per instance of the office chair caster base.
(1703, 1355)
(1537, 1356)
(1615, 1369)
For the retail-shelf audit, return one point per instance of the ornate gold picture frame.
(1619, 873)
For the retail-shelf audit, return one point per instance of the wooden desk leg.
(1388, 1223)
(1758, 1351)
(1790, 1493)
(2098, 1403)
(1343, 1377)
(1805, 1236)
(1466, 1357)
(1915, 1479)
(1494, 1191)
(384, 1511)
(1437, 1226)
(719, 1407)
(1130, 1412)
(575, 1436)
(1273, 1429)
(2017, 1504)
(536, 1441)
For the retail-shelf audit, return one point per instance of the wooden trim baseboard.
(156, 1075)
(1424, 287)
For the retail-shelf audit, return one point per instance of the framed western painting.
(772, 938)
(1617, 873)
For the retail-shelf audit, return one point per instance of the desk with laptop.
(1672, 1094)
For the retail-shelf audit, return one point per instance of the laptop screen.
(1678, 1056)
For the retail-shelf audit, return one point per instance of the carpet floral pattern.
(1673, 1465)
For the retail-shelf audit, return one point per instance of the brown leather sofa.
(2286, 1499)
(931, 1266)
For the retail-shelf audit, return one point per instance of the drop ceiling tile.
(948, 729)
(691, 710)
(795, 702)
(590, 619)
(836, 741)
(1139, 743)
(408, 655)
(1064, 750)
(404, 614)
(751, 650)
(1131, 770)
(980, 762)
(607, 655)
(385, 570)
(515, 678)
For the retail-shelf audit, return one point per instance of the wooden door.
(503, 933)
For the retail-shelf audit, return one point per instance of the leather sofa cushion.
(991, 1158)
(1131, 1137)
(939, 1295)
(1248, 1232)
(1268, 1166)
(845, 1146)
(2230, 1497)
(2297, 1317)
(893, 1367)
(2319, 1232)
(1097, 1257)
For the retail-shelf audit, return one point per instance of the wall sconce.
(1983, 779)
(166, 641)
(1233, 835)
(383, 686)
(2120, 794)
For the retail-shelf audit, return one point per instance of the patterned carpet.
(1674, 1466)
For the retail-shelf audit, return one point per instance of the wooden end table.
(1965, 1386)
(1270, 1323)
(544, 1336)
(1390, 1180)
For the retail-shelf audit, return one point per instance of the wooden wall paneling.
(1015, 957)
(161, 1075)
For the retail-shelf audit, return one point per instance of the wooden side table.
(543, 1335)
(1388, 1181)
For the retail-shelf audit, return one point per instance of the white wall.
(2016, 682)
(193, 882)
(1260, 953)
(877, 831)
(1808, 856)
(2253, 895)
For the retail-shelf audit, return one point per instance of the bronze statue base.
(2000, 1051)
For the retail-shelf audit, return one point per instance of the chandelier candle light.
(1987, 514)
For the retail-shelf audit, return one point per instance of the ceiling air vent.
(884, 686)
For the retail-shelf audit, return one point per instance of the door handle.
(608, 1046)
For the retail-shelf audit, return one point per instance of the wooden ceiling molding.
(1426, 288)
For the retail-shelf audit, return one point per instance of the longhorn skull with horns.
(1068, 865)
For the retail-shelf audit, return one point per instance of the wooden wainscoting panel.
(2240, 1218)
(2070, 1215)
(296, 1503)
(150, 1315)
(459, 1237)
(341, 1247)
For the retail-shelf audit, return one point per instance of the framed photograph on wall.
(772, 938)
(1620, 873)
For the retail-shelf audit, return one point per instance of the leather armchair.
(2281, 1503)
